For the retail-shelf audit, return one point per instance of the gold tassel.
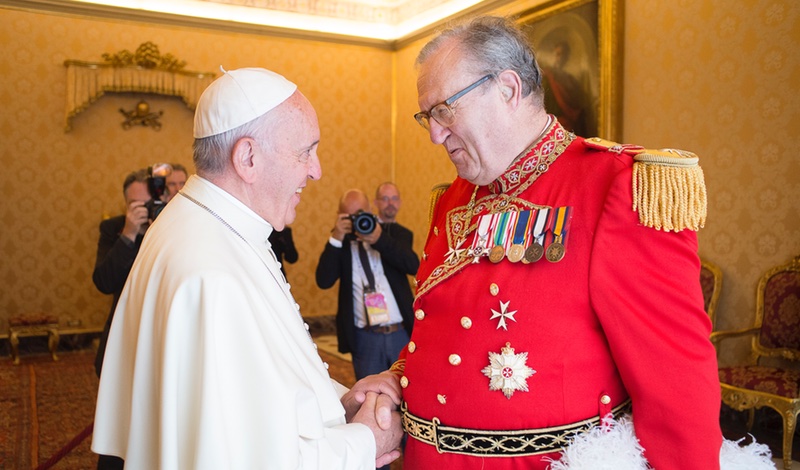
(669, 191)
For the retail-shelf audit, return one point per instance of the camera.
(157, 186)
(363, 222)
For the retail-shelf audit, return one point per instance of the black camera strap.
(362, 254)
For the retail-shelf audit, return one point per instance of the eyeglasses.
(443, 112)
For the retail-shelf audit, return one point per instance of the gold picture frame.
(578, 44)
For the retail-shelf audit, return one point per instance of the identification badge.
(375, 305)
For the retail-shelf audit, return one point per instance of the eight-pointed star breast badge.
(507, 371)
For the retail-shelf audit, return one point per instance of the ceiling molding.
(93, 10)
(481, 8)
(87, 10)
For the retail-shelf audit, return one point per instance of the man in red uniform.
(545, 301)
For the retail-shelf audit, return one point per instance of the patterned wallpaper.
(719, 80)
(724, 81)
(58, 186)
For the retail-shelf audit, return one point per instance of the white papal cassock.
(209, 364)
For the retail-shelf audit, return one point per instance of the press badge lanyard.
(362, 255)
(375, 308)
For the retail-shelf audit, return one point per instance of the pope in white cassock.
(209, 364)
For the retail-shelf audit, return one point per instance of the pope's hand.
(387, 439)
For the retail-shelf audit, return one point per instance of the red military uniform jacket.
(619, 317)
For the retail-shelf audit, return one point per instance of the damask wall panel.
(58, 186)
(723, 80)
(420, 164)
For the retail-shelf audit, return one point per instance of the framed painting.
(578, 44)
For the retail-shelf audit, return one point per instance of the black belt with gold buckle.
(487, 443)
(384, 329)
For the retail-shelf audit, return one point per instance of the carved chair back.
(778, 313)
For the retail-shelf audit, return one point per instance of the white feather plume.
(613, 446)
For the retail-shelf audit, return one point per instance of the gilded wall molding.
(143, 71)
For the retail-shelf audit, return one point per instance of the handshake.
(373, 401)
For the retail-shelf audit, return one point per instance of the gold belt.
(498, 443)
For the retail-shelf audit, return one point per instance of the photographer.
(374, 316)
(175, 181)
(121, 237)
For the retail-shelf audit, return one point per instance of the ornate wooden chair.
(775, 333)
(711, 283)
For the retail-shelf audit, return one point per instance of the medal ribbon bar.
(516, 251)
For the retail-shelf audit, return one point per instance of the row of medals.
(517, 252)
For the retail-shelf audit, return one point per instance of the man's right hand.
(386, 385)
(342, 227)
(135, 219)
(387, 441)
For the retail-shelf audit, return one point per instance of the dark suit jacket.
(112, 265)
(283, 247)
(399, 261)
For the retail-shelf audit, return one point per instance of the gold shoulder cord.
(669, 191)
(436, 193)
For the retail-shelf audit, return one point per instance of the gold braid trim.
(399, 367)
(669, 190)
(436, 193)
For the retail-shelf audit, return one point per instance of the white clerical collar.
(244, 218)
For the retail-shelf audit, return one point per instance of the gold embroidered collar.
(533, 162)
(502, 196)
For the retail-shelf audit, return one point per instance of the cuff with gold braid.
(399, 367)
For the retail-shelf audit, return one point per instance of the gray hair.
(496, 44)
(211, 153)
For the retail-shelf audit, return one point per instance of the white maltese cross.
(503, 314)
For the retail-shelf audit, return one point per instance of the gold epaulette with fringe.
(669, 190)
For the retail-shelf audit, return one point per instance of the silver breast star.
(507, 371)
(503, 314)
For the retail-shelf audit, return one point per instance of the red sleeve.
(644, 286)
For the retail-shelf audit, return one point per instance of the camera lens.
(364, 222)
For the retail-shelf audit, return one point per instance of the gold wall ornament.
(147, 56)
(145, 71)
(141, 116)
